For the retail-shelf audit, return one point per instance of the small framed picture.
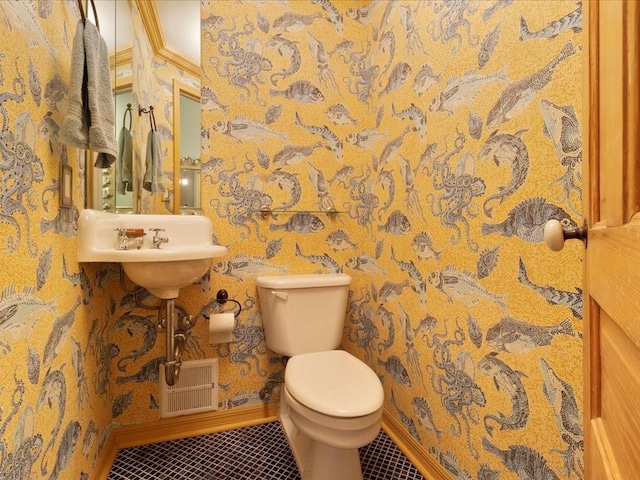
(66, 196)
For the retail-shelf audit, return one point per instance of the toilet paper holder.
(222, 297)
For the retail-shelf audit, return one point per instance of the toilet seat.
(334, 383)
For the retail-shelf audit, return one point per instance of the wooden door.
(612, 262)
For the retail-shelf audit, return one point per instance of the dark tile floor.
(260, 452)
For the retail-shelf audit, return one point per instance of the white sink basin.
(183, 260)
(165, 279)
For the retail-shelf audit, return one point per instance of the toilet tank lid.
(304, 281)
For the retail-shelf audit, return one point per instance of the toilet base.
(318, 461)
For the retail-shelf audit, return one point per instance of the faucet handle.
(156, 232)
(158, 239)
(129, 237)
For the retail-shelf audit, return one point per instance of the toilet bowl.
(331, 402)
(331, 405)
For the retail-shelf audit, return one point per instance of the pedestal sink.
(185, 257)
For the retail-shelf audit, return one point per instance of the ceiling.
(172, 25)
(180, 22)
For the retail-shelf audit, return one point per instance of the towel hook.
(124, 117)
(95, 13)
(152, 119)
(144, 110)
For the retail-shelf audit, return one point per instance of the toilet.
(331, 402)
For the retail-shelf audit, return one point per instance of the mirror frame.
(179, 89)
(124, 55)
(93, 176)
(124, 84)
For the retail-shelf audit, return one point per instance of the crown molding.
(151, 23)
(121, 58)
(180, 61)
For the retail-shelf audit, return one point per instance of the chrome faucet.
(129, 237)
(158, 239)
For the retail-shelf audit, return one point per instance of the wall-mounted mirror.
(154, 50)
(186, 144)
(117, 196)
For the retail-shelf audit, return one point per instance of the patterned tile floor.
(260, 452)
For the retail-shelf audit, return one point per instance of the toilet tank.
(303, 313)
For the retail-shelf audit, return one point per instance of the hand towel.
(101, 104)
(153, 180)
(75, 126)
(124, 163)
(89, 122)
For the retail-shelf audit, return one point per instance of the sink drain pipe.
(173, 359)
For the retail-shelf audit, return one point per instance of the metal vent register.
(195, 391)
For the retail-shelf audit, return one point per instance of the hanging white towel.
(89, 121)
(153, 180)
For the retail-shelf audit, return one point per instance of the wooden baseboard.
(194, 425)
(180, 427)
(107, 457)
(416, 453)
(203, 423)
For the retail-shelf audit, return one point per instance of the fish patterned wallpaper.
(55, 353)
(445, 134)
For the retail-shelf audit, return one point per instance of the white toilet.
(331, 402)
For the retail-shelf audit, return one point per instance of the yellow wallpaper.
(445, 134)
(54, 354)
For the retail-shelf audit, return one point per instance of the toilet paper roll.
(221, 328)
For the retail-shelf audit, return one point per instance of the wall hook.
(144, 110)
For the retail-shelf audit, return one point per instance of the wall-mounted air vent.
(195, 391)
